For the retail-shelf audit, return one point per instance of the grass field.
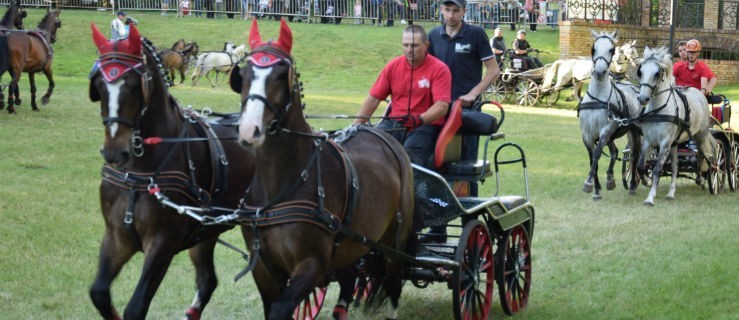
(612, 259)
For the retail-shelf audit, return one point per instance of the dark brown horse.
(179, 60)
(30, 52)
(306, 187)
(202, 165)
(13, 18)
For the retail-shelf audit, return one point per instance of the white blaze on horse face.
(251, 130)
(114, 91)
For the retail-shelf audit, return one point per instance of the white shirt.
(118, 30)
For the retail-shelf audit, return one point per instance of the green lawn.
(612, 259)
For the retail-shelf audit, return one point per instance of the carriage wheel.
(716, 173)
(527, 93)
(626, 168)
(311, 306)
(513, 269)
(733, 165)
(472, 283)
(550, 98)
(497, 91)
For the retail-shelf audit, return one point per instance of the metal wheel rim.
(514, 270)
(716, 175)
(733, 165)
(527, 93)
(473, 284)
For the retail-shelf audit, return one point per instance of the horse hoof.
(587, 187)
(45, 100)
(648, 203)
(597, 197)
(17, 102)
(611, 184)
(632, 192)
(669, 198)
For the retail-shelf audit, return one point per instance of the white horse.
(606, 113)
(577, 71)
(671, 116)
(218, 61)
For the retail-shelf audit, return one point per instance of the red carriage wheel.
(732, 165)
(311, 306)
(513, 269)
(472, 283)
(716, 173)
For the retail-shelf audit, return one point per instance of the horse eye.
(638, 72)
(612, 51)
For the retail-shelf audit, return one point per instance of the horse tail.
(549, 75)
(4, 54)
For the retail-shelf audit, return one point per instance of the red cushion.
(452, 124)
(718, 113)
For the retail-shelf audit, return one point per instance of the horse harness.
(161, 180)
(619, 113)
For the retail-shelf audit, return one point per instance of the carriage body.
(520, 84)
(718, 177)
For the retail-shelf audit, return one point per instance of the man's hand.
(412, 122)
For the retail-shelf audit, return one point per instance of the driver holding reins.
(694, 72)
(420, 86)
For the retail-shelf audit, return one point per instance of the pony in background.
(671, 116)
(606, 113)
(217, 61)
(577, 71)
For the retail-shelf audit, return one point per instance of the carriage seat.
(448, 149)
(720, 108)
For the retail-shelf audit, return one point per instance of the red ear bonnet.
(117, 57)
(267, 58)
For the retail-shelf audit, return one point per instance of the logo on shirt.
(462, 48)
(424, 83)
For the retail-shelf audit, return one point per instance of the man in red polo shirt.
(420, 87)
(693, 72)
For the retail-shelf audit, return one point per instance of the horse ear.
(98, 37)
(134, 39)
(614, 35)
(254, 38)
(235, 80)
(286, 36)
(594, 33)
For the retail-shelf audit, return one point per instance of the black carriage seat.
(448, 150)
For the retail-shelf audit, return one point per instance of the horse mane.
(45, 21)
(664, 60)
(153, 62)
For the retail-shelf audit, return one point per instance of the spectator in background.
(165, 7)
(118, 30)
(553, 14)
(513, 7)
(358, 12)
(185, 7)
(377, 11)
(498, 45)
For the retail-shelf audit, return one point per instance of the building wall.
(576, 40)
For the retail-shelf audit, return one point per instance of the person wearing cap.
(521, 48)
(118, 30)
(498, 45)
(694, 72)
(420, 87)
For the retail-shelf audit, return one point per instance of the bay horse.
(13, 18)
(309, 189)
(203, 166)
(671, 116)
(179, 60)
(30, 52)
(605, 113)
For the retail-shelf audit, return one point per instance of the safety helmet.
(693, 45)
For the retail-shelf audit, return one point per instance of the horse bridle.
(612, 51)
(652, 87)
(283, 58)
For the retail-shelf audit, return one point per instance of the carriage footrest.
(468, 168)
(510, 202)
